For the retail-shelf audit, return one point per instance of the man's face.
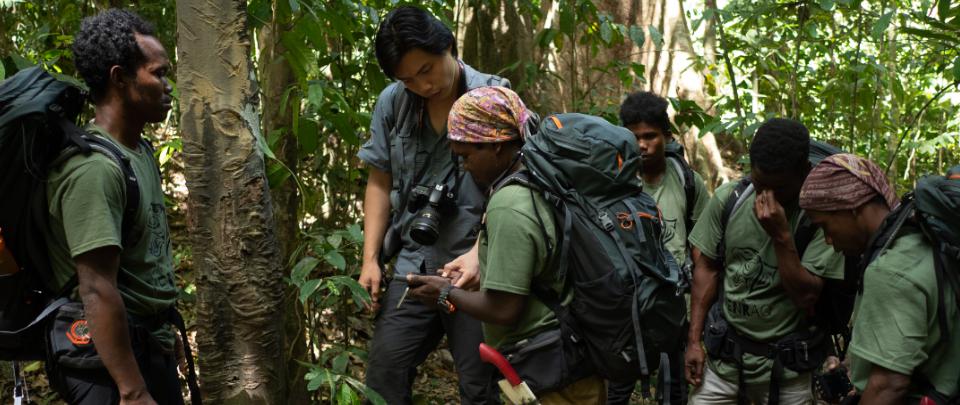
(841, 230)
(429, 76)
(484, 162)
(148, 95)
(785, 186)
(651, 141)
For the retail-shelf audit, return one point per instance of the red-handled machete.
(512, 386)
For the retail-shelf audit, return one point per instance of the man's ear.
(118, 77)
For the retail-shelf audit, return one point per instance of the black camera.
(430, 205)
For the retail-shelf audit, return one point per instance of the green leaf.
(262, 144)
(20, 62)
(356, 232)
(636, 34)
(3, 71)
(347, 396)
(32, 367)
(827, 5)
(956, 69)
(606, 32)
(258, 13)
(656, 36)
(336, 259)
(943, 9)
(308, 288)
(342, 125)
(368, 392)
(277, 174)
(546, 37)
(931, 35)
(308, 135)
(315, 93)
(319, 377)
(881, 25)
(335, 240)
(340, 363)
(303, 268)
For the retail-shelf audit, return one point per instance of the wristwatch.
(443, 300)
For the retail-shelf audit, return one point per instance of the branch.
(916, 118)
(729, 65)
(856, 76)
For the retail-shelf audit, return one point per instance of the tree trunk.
(670, 72)
(489, 34)
(239, 273)
(277, 76)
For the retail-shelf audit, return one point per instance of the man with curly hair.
(125, 282)
(667, 179)
(755, 285)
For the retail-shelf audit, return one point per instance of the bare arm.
(703, 293)
(490, 306)
(107, 317)
(885, 387)
(802, 286)
(376, 214)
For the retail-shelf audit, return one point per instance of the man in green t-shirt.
(484, 127)
(767, 288)
(897, 339)
(125, 280)
(645, 114)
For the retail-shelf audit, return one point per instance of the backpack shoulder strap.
(83, 141)
(739, 195)
(688, 181)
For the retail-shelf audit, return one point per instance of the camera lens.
(425, 228)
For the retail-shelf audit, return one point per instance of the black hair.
(408, 27)
(107, 40)
(645, 107)
(780, 146)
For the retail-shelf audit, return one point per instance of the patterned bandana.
(487, 115)
(845, 181)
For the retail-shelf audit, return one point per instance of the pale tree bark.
(277, 77)
(493, 35)
(239, 273)
(671, 72)
(488, 37)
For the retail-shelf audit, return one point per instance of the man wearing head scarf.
(486, 128)
(896, 353)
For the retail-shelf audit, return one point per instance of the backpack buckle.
(606, 222)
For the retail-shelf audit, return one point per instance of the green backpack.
(626, 314)
(933, 207)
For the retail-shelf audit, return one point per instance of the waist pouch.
(715, 333)
(548, 361)
(69, 343)
(801, 351)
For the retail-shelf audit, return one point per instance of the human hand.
(370, 277)
(137, 397)
(771, 216)
(693, 361)
(426, 288)
(464, 271)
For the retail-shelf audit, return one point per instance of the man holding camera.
(419, 209)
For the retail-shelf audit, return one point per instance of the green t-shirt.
(756, 304)
(86, 197)
(513, 256)
(672, 200)
(895, 322)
